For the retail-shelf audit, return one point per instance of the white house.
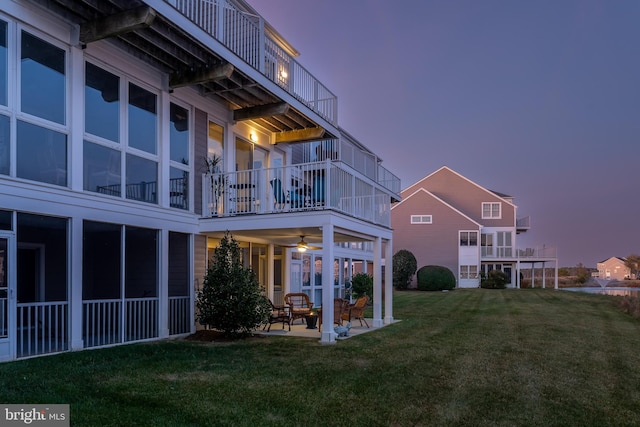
(109, 112)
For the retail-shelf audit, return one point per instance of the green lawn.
(467, 357)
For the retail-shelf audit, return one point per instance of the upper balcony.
(523, 224)
(220, 47)
(302, 187)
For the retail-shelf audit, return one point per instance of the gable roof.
(502, 196)
(438, 199)
(619, 258)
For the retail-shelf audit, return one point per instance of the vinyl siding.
(465, 196)
(431, 244)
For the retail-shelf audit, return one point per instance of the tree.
(404, 267)
(362, 284)
(231, 299)
(633, 262)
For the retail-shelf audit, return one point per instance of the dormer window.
(491, 210)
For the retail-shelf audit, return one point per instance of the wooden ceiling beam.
(300, 135)
(259, 111)
(206, 75)
(117, 24)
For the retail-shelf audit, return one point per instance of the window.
(3, 64)
(42, 79)
(491, 210)
(505, 244)
(468, 238)
(5, 144)
(179, 153)
(142, 179)
(421, 219)
(102, 103)
(486, 243)
(143, 112)
(468, 271)
(102, 169)
(42, 154)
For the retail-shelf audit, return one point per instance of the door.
(7, 298)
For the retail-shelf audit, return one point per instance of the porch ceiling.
(288, 236)
(186, 60)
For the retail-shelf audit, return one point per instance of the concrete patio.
(299, 329)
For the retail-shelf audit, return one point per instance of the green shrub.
(495, 279)
(362, 284)
(404, 267)
(231, 299)
(435, 278)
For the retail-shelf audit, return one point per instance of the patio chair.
(317, 197)
(279, 198)
(299, 305)
(340, 308)
(356, 310)
(279, 313)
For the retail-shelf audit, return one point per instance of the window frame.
(421, 219)
(491, 214)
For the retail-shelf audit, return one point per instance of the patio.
(299, 329)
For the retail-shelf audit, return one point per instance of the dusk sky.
(536, 99)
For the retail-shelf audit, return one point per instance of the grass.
(467, 357)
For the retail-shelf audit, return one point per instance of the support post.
(377, 282)
(328, 334)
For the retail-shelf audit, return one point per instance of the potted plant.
(213, 170)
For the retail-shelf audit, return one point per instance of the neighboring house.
(446, 219)
(613, 269)
(108, 209)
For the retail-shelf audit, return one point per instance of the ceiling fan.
(302, 246)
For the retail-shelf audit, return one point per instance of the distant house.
(614, 269)
(446, 219)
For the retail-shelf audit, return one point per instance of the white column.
(556, 278)
(388, 282)
(377, 282)
(163, 286)
(270, 270)
(76, 108)
(75, 297)
(544, 265)
(328, 334)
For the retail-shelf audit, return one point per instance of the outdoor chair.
(317, 196)
(340, 308)
(279, 198)
(356, 310)
(299, 305)
(279, 313)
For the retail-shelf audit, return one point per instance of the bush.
(231, 299)
(495, 279)
(435, 278)
(404, 267)
(362, 284)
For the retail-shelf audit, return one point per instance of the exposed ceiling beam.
(300, 135)
(200, 76)
(260, 111)
(116, 24)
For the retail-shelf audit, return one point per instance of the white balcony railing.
(42, 328)
(300, 187)
(507, 252)
(244, 35)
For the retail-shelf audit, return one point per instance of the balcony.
(510, 253)
(297, 188)
(244, 34)
(523, 224)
